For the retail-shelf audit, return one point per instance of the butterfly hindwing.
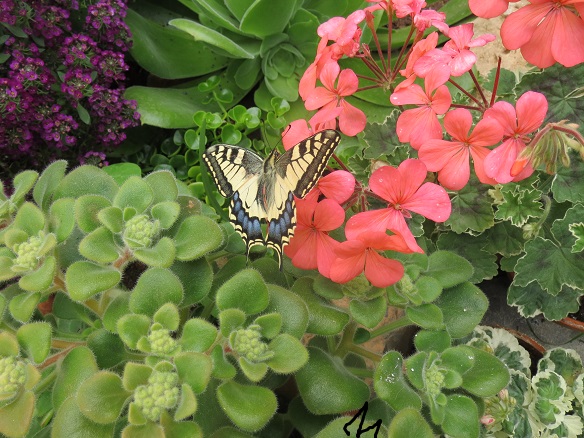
(266, 189)
(237, 172)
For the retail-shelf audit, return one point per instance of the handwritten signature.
(362, 413)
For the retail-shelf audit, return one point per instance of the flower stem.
(394, 325)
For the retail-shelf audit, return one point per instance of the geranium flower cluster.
(62, 81)
(446, 137)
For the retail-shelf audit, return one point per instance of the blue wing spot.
(244, 222)
(287, 217)
(255, 225)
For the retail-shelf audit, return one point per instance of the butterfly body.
(265, 189)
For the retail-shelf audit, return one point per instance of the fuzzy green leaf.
(222, 369)
(99, 246)
(118, 307)
(48, 182)
(194, 369)
(409, 422)
(461, 417)
(87, 208)
(70, 422)
(291, 308)
(29, 219)
(428, 316)
(168, 317)
(163, 185)
(249, 407)
(61, 221)
(368, 313)
(155, 287)
(429, 340)
(135, 193)
(187, 404)
(16, 417)
(107, 347)
(197, 236)
(166, 212)
(77, 366)
(391, 386)
(160, 255)
(246, 290)
(198, 335)
(271, 324)
(85, 279)
(112, 219)
(290, 355)
(230, 320)
(35, 339)
(22, 184)
(86, 180)
(252, 370)
(463, 307)
(132, 327)
(487, 376)
(23, 305)
(41, 279)
(448, 268)
(324, 319)
(135, 374)
(196, 277)
(327, 387)
(101, 397)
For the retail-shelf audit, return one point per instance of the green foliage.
(151, 329)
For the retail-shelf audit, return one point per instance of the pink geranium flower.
(351, 119)
(430, 17)
(338, 185)
(547, 31)
(531, 110)
(324, 55)
(311, 247)
(419, 125)
(359, 254)
(344, 32)
(405, 191)
(455, 53)
(419, 50)
(451, 158)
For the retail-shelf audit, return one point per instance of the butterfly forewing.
(266, 189)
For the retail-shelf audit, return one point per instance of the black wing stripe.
(281, 229)
(248, 227)
(308, 160)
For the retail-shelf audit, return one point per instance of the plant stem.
(46, 381)
(347, 340)
(365, 353)
(360, 372)
(394, 325)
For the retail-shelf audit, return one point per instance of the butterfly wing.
(296, 172)
(237, 173)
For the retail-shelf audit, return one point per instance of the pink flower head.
(324, 55)
(351, 119)
(451, 158)
(547, 31)
(344, 32)
(419, 125)
(338, 185)
(359, 254)
(455, 53)
(531, 110)
(489, 8)
(405, 190)
(403, 8)
(419, 50)
(311, 247)
(429, 17)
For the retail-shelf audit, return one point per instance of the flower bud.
(12, 376)
(161, 393)
(248, 344)
(140, 231)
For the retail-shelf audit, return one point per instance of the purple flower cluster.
(62, 81)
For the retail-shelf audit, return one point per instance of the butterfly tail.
(281, 229)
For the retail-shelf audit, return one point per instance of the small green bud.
(248, 344)
(12, 376)
(161, 343)
(140, 231)
(161, 393)
(27, 253)
(358, 287)
(434, 380)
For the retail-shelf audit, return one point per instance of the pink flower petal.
(319, 97)
(531, 111)
(326, 253)
(417, 126)
(348, 82)
(297, 131)
(518, 27)
(349, 263)
(441, 100)
(338, 185)
(431, 201)
(478, 156)
(504, 113)
(382, 272)
(328, 215)
(488, 8)
(458, 123)
(487, 132)
(456, 173)
(351, 120)
(435, 154)
(500, 160)
(567, 47)
(462, 63)
(414, 94)
(329, 75)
